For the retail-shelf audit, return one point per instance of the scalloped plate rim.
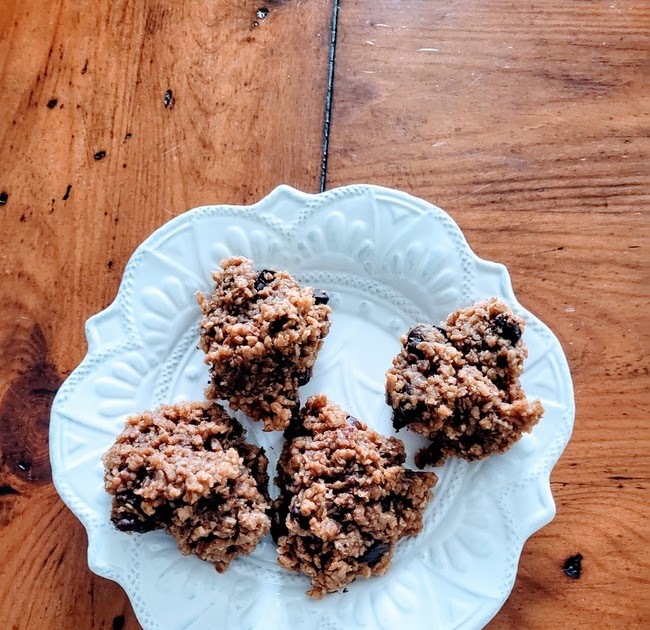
(112, 572)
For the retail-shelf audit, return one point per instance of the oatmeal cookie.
(458, 384)
(261, 332)
(345, 498)
(187, 469)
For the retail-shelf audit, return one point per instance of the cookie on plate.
(345, 498)
(261, 332)
(458, 384)
(187, 469)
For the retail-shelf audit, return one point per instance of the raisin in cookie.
(345, 498)
(458, 384)
(261, 332)
(187, 469)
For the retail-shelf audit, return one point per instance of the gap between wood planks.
(329, 95)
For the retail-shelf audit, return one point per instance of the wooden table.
(527, 121)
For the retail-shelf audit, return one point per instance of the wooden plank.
(529, 123)
(244, 113)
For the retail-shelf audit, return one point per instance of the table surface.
(528, 122)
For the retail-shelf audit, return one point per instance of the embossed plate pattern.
(388, 260)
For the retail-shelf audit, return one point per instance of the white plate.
(388, 260)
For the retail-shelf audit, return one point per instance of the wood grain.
(529, 123)
(83, 79)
